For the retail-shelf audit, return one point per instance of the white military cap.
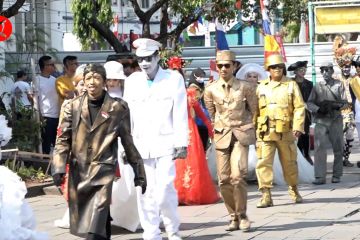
(145, 46)
(114, 70)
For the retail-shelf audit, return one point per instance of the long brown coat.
(232, 112)
(91, 151)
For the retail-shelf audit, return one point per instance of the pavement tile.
(330, 211)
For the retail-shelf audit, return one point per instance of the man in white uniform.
(157, 102)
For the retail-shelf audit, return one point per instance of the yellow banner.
(337, 19)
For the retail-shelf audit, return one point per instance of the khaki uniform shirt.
(231, 106)
(281, 109)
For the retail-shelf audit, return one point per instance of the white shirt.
(6, 84)
(158, 112)
(19, 93)
(357, 110)
(48, 97)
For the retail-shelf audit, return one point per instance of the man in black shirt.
(89, 130)
(305, 86)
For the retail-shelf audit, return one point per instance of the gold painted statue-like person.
(232, 104)
(279, 121)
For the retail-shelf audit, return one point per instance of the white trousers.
(160, 199)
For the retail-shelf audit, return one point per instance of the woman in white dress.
(254, 73)
(123, 208)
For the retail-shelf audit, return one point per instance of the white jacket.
(158, 112)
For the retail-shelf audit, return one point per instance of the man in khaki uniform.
(232, 104)
(280, 120)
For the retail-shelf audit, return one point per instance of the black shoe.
(319, 181)
(358, 164)
(335, 180)
(347, 163)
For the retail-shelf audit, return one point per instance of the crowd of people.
(136, 138)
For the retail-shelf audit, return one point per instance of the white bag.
(123, 208)
(211, 161)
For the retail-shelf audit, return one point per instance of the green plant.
(26, 173)
(25, 130)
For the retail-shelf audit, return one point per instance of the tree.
(12, 10)
(92, 18)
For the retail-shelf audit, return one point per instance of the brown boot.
(295, 195)
(266, 200)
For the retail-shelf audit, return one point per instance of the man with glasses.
(158, 109)
(305, 86)
(48, 102)
(280, 121)
(232, 104)
(326, 101)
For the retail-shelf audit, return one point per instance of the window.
(145, 3)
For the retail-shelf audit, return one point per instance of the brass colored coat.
(281, 106)
(91, 151)
(232, 112)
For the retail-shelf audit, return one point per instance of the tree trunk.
(164, 23)
(107, 34)
(146, 29)
(13, 9)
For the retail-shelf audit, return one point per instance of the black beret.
(297, 65)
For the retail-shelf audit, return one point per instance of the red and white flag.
(116, 25)
(214, 75)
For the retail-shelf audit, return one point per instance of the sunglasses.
(277, 66)
(325, 70)
(220, 66)
(147, 59)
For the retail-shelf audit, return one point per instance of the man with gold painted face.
(232, 104)
(87, 140)
(280, 120)
(158, 107)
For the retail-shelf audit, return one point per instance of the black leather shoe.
(347, 163)
(319, 181)
(335, 180)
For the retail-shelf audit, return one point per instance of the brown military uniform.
(281, 111)
(231, 106)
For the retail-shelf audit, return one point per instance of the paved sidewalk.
(330, 211)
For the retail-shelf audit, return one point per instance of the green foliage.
(25, 131)
(84, 13)
(27, 173)
(291, 31)
(167, 53)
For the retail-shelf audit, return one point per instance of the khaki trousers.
(265, 151)
(232, 166)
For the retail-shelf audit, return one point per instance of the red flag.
(238, 5)
(116, 24)
(196, 25)
(279, 40)
(169, 23)
(214, 75)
